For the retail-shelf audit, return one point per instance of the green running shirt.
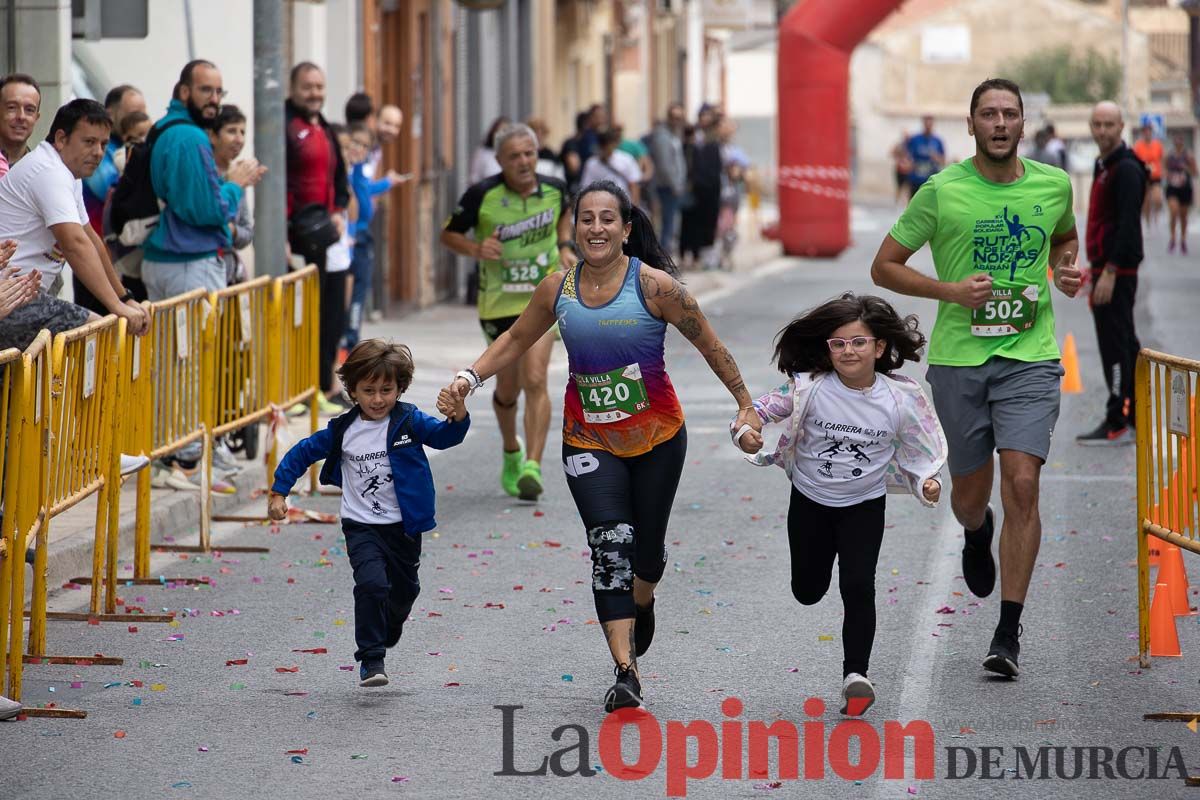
(528, 232)
(1004, 229)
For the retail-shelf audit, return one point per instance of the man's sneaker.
(9, 708)
(1104, 435)
(371, 674)
(529, 484)
(223, 460)
(626, 692)
(510, 472)
(1002, 655)
(177, 479)
(131, 464)
(643, 628)
(978, 564)
(858, 694)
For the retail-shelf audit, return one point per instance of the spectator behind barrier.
(20, 109)
(41, 206)
(317, 197)
(183, 251)
(228, 135)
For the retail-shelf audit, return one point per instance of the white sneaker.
(9, 708)
(131, 464)
(858, 694)
(177, 479)
(223, 460)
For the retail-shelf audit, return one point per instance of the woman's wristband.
(471, 377)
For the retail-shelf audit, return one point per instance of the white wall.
(751, 79)
(223, 33)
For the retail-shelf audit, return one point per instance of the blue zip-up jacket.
(408, 433)
(365, 191)
(198, 205)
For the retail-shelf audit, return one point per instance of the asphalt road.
(506, 619)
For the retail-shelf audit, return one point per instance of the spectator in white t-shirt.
(614, 165)
(41, 207)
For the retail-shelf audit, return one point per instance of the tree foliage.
(1069, 77)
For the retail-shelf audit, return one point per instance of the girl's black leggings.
(853, 534)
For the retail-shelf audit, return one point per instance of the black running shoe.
(978, 565)
(371, 674)
(643, 628)
(1002, 655)
(626, 692)
(1105, 435)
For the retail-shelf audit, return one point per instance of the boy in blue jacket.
(376, 453)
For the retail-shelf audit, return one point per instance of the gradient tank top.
(619, 397)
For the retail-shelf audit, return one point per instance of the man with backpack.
(182, 248)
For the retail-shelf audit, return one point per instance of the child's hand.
(751, 442)
(459, 411)
(932, 490)
(277, 507)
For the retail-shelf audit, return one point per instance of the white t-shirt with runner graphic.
(849, 437)
(368, 495)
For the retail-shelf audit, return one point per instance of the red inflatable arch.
(816, 40)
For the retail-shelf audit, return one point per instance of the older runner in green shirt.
(994, 223)
(521, 234)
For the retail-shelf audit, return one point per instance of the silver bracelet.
(470, 376)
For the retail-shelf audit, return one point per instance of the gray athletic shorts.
(1000, 405)
(21, 327)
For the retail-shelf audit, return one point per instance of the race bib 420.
(1008, 312)
(612, 396)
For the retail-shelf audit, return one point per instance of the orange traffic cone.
(1071, 382)
(1172, 574)
(1164, 639)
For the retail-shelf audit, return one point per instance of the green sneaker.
(511, 471)
(529, 485)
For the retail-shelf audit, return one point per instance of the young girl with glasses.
(852, 431)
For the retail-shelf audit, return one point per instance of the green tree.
(1070, 77)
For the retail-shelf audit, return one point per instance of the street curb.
(172, 514)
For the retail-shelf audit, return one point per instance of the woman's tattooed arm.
(679, 308)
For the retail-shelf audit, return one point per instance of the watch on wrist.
(568, 243)
(125, 298)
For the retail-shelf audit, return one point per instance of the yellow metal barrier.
(298, 303)
(1168, 463)
(24, 493)
(11, 464)
(181, 396)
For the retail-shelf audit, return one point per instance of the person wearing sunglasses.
(852, 432)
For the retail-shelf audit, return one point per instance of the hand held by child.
(277, 508)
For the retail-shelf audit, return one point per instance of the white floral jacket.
(920, 442)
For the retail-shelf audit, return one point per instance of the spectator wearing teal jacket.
(183, 251)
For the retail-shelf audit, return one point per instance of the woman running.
(854, 430)
(1181, 168)
(624, 439)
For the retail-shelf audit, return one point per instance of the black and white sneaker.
(626, 692)
(1002, 655)
(643, 628)
(978, 564)
(1105, 435)
(858, 694)
(371, 674)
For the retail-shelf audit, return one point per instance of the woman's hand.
(751, 441)
(932, 489)
(15, 290)
(277, 507)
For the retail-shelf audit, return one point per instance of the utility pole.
(270, 210)
(1125, 109)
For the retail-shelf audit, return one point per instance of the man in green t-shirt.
(994, 223)
(522, 233)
